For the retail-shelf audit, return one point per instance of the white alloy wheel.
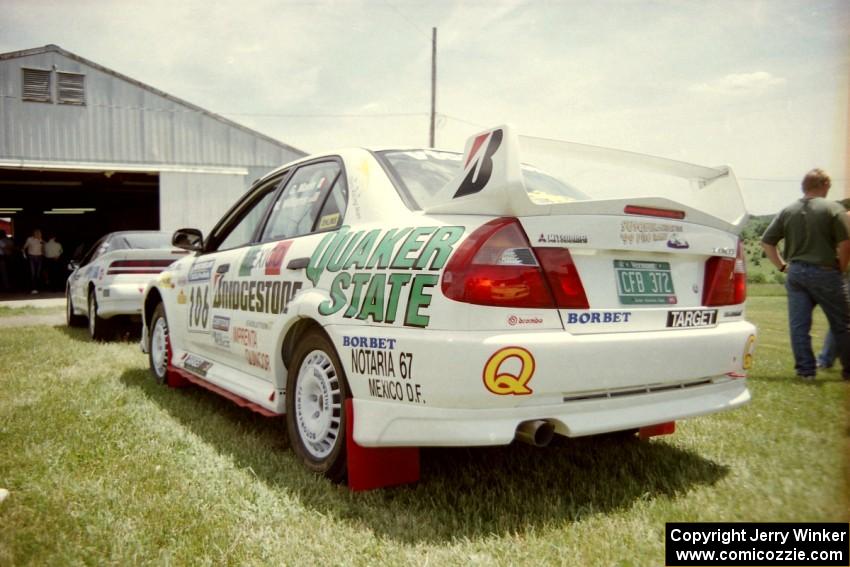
(92, 315)
(159, 351)
(159, 348)
(318, 404)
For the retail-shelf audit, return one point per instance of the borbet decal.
(482, 168)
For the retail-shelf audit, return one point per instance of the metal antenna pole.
(433, 83)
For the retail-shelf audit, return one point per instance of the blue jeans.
(809, 285)
(829, 352)
(35, 270)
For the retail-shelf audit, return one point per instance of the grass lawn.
(106, 467)
(29, 310)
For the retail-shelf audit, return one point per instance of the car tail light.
(563, 278)
(496, 266)
(119, 267)
(726, 280)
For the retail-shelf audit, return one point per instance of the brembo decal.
(501, 381)
(479, 174)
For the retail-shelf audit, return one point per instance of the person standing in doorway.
(817, 252)
(53, 258)
(7, 247)
(34, 250)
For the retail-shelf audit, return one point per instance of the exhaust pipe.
(537, 432)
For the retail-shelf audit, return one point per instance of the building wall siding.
(197, 200)
(121, 122)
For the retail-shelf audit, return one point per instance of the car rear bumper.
(473, 388)
(120, 299)
(384, 424)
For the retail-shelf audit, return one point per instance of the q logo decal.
(504, 383)
(748, 352)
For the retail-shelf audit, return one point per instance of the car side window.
(333, 211)
(105, 246)
(245, 221)
(297, 209)
(93, 251)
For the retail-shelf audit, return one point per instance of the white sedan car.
(454, 299)
(109, 281)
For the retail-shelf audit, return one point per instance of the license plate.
(644, 283)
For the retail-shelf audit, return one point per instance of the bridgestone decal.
(481, 170)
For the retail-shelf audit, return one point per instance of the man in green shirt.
(817, 252)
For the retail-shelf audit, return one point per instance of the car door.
(207, 320)
(253, 297)
(85, 273)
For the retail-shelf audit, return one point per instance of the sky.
(758, 85)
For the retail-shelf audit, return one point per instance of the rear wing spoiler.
(491, 181)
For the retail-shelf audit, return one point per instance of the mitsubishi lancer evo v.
(451, 299)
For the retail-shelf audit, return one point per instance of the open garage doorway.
(77, 207)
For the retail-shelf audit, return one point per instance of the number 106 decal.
(199, 309)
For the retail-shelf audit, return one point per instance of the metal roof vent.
(71, 88)
(36, 85)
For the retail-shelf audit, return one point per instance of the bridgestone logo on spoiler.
(692, 318)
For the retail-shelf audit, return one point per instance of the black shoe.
(845, 374)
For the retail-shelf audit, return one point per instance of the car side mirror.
(190, 239)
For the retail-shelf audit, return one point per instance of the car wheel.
(71, 319)
(159, 353)
(316, 391)
(99, 328)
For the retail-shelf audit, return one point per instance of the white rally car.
(110, 279)
(461, 299)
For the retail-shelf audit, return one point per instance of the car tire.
(159, 350)
(100, 329)
(71, 318)
(316, 391)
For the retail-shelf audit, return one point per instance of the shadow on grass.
(122, 332)
(463, 493)
(79, 334)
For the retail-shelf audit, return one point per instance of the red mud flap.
(655, 430)
(175, 378)
(377, 467)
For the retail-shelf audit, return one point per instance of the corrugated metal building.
(74, 134)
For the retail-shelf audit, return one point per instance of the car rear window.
(422, 173)
(140, 240)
